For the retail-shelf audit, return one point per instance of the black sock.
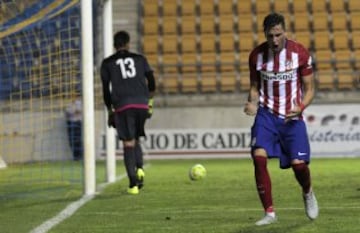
(139, 156)
(129, 160)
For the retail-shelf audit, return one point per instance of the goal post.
(87, 69)
(46, 60)
(2, 163)
(109, 132)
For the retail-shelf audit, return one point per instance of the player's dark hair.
(121, 39)
(272, 20)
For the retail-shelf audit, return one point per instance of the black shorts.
(130, 123)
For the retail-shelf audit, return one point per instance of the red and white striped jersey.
(279, 75)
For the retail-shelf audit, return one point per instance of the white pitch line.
(70, 209)
(239, 210)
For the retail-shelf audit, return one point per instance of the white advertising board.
(334, 131)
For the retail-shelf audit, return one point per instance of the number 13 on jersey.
(127, 67)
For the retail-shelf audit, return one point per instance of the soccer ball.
(197, 172)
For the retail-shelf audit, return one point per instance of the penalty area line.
(70, 209)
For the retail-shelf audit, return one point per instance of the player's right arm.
(105, 79)
(251, 105)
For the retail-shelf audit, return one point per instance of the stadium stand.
(220, 35)
(184, 39)
(300, 21)
(352, 5)
(38, 59)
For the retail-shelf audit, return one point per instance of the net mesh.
(39, 77)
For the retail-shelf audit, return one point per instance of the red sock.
(302, 174)
(263, 182)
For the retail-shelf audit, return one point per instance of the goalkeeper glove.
(151, 110)
(111, 119)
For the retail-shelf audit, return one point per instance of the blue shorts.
(284, 140)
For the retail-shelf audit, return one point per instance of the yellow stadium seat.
(300, 6)
(207, 42)
(260, 16)
(320, 21)
(188, 8)
(208, 62)
(355, 19)
(318, 5)
(245, 7)
(189, 83)
(345, 79)
(344, 59)
(170, 43)
(341, 40)
(325, 80)
(301, 21)
(305, 38)
(151, 25)
(228, 82)
(170, 63)
(188, 43)
(322, 40)
(188, 24)
(208, 82)
(207, 24)
(339, 20)
(189, 62)
(153, 59)
(226, 23)
(356, 54)
(281, 6)
(207, 7)
(170, 84)
(337, 5)
(228, 61)
(288, 17)
(246, 41)
(170, 25)
(227, 42)
(244, 61)
(353, 5)
(245, 23)
(150, 44)
(244, 81)
(324, 59)
(355, 39)
(263, 6)
(225, 7)
(169, 8)
(150, 8)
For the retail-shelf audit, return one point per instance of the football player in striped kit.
(281, 87)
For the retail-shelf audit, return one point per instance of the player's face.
(275, 37)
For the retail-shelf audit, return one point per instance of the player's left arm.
(308, 84)
(149, 74)
(308, 96)
(309, 91)
(151, 83)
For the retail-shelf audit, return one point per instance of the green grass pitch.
(224, 202)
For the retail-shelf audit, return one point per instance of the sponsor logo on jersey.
(281, 76)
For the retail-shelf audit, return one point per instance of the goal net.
(39, 77)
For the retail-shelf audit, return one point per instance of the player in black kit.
(129, 102)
